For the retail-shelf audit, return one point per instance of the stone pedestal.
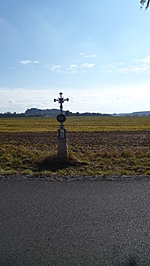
(62, 148)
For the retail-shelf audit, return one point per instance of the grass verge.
(91, 153)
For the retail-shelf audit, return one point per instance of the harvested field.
(90, 153)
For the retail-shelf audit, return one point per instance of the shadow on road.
(130, 262)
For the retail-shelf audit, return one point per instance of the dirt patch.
(93, 139)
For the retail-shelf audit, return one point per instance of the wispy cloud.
(77, 66)
(55, 67)
(109, 68)
(147, 59)
(144, 60)
(25, 62)
(135, 69)
(11, 101)
(72, 69)
(124, 99)
(141, 66)
(87, 56)
(87, 65)
(90, 56)
(36, 62)
(74, 66)
(82, 54)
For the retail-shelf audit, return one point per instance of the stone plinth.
(62, 148)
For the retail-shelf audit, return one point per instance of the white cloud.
(25, 62)
(141, 67)
(71, 69)
(147, 59)
(135, 69)
(82, 54)
(110, 71)
(73, 66)
(87, 56)
(19, 99)
(90, 56)
(99, 99)
(144, 60)
(36, 62)
(55, 67)
(87, 65)
(110, 68)
(11, 101)
(119, 64)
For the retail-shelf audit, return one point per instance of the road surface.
(74, 222)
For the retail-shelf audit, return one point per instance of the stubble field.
(97, 146)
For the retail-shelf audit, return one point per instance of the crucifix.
(61, 100)
(62, 137)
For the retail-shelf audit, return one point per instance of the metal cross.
(61, 101)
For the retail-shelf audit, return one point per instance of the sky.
(96, 52)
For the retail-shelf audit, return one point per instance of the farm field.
(97, 146)
(75, 124)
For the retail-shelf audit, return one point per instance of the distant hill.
(142, 113)
(40, 112)
(35, 112)
(55, 112)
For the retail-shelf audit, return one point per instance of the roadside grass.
(16, 159)
(103, 146)
(41, 159)
(116, 162)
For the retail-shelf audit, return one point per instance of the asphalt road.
(74, 223)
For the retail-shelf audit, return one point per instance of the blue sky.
(96, 52)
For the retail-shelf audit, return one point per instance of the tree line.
(67, 113)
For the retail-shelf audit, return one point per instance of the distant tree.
(77, 113)
(143, 2)
(68, 113)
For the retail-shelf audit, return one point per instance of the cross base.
(62, 149)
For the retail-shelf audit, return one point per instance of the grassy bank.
(96, 146)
